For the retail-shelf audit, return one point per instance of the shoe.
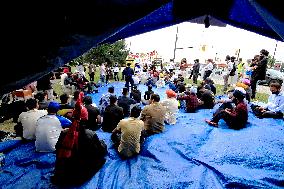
(209, 122)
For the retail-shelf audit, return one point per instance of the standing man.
(195, 70)
(208, 69)
(102, 73)
(227, 73)
(91, 71)
(259, 71)
(116, 71)
(127, 75)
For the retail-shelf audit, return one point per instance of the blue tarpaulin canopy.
(38, 37)
(189, 154)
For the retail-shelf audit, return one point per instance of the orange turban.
(170, 93)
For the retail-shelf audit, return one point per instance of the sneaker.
(209, 122)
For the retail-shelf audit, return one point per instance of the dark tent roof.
(41, 36)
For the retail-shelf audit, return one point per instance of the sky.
(219, 41)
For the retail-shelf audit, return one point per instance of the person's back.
(241, 117)
(127, 135)
(191, 100)
(85, 160)
(208, 99)
(153, 116)
(48, 129)
(124, 101)
(105, 101)
(136, 95)
(112, 115)
(93, 114)
(148, 93)
(29, 119)
(130, 136)
(171, 106)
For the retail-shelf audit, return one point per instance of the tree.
(271, 61)
(110, 53)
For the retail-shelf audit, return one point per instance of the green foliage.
(271, 61)
(110, 53)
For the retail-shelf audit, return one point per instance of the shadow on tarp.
(190, 154)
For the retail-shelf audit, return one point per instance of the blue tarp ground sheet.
(190, 154)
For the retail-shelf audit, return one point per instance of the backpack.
(232, 73)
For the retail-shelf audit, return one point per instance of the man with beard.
(275, 106)
(236, 118)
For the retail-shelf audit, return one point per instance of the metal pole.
(275, 49)
(175, 45)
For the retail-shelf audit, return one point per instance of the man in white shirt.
(49, 127)
(208, 69)
(171, 105)
(102, 73)
(116, 71)
(28, 119)
(81, 69)
(127, 135)
(275, 106)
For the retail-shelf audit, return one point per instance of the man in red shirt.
(237, 117)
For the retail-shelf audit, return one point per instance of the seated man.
(190, 99)
(275, 106)
(124, 101)
(126, 136)
(135, 94)
(147, 95)
(237, 117)
(28, 119)
(65, 108)
(207, 99)
(171, 105)
(94, 117)
(153, 116)
(105, 101)
(112, 115)
(48, 128)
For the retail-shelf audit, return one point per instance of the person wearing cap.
(236, 118)
(153, 116)
(275, 105)
(49, 127)
(127, 74)
(127, 135)
(190, 99)
(171, 105)
(259, 70)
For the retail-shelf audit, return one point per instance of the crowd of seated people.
(69, 128)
